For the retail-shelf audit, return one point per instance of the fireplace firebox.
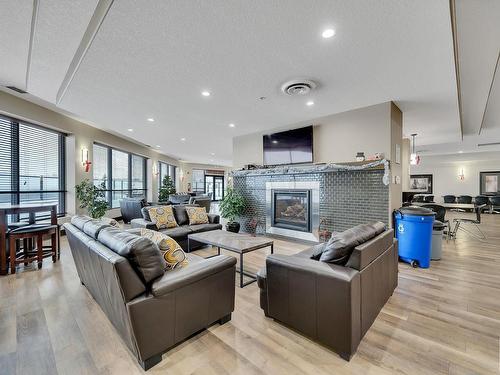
(291, 209)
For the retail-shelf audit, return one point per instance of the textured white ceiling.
(15, 28)
(154, 60)
(59, 29)
(478, 28)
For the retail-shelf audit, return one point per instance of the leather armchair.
(334, 305)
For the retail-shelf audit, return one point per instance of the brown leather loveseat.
(332, 304)
(152, 309)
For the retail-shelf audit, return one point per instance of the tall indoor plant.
(92, 198)
(231, 207)
(167, 187)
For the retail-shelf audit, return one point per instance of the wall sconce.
(85, 159)
(461, 175)
(156, 172)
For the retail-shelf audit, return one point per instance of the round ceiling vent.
(298, 87)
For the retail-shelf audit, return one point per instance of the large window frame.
(129, 191)
(15, 191)
(166, 169)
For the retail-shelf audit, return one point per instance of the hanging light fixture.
(414, 158)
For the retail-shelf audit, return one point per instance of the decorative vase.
(233, 226)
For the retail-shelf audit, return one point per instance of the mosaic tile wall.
(347, 198)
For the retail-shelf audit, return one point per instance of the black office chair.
(418, 199)
(481, 200)
(476, 222)
(429, 198)
(440, 216)
(449, 199)
(495, 204)
(465, 199)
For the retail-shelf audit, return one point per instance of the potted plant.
(167, 188)
(92, 198)
(231, 207)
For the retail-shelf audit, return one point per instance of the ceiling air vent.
(16, 89)
(298, 87)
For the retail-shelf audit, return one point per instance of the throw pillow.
(197, 215)
(340, 246)
(163, 217)
(173, 254)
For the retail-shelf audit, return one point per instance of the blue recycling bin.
(413, 227)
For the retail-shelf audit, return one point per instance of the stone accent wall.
(347, 198)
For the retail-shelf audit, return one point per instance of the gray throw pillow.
(340, 246)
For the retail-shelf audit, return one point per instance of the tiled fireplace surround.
(346, 198)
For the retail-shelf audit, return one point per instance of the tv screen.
(289, 147)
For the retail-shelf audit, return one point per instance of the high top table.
(463, 206)
(237, 243)
(30, 208)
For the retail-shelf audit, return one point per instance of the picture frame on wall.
(489, 183)
(421, 183)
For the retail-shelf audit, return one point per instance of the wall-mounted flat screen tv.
(289, 147)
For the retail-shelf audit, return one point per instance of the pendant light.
(414, 158)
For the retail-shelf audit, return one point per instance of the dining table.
(31, 208)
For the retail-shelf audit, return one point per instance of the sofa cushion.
(172, 253)
(340, 246)
(93, 227)
(142, 253)
(178, 234)
(197, 215)
(79, 221)
(204, 227)
(145, 213)
(163, 217)
(180, 213)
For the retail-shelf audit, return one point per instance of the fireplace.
(291, 209)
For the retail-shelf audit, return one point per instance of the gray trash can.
(437, 240)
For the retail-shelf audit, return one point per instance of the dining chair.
(474, 222)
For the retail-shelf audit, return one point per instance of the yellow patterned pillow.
(163, 217)
(197, 215)
(173, 254)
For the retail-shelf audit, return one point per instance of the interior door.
(209, 186)
(218, 188)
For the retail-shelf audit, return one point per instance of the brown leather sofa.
(151, 309)
(334, 305)
(181, 232)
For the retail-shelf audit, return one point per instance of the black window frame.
(109, 177)
(15, 192)
(162, 164)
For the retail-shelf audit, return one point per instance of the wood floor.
(444, 320)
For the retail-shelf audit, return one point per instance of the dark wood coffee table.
(237, 243)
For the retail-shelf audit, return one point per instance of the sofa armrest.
(320, 299)
(142, 223)
(179, 278)
(213, 218)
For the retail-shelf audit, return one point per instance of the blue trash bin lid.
(416, 211)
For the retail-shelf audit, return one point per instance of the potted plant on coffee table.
(231, 207)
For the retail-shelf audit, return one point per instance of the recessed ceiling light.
(151, 119)
(212, 153)
(310, 103)
(183, 139)
(130, 129)
(232, 125)
(158, 146)
(205, 93)
(328, 33)
(211, 159)
(460, 152)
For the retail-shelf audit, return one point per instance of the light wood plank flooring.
(444, 320)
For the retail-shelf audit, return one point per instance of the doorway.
(214, 187)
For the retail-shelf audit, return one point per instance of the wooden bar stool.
(29, 234)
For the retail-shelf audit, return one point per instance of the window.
(198, 178)
(31, 164)
(123, 174)
(166, 170)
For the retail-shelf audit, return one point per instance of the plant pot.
(233, 226)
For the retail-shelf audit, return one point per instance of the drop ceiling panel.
(59, 30)
(154, 60)
(478, 28)
(15, 29)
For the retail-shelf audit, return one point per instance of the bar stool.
(34, 232)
